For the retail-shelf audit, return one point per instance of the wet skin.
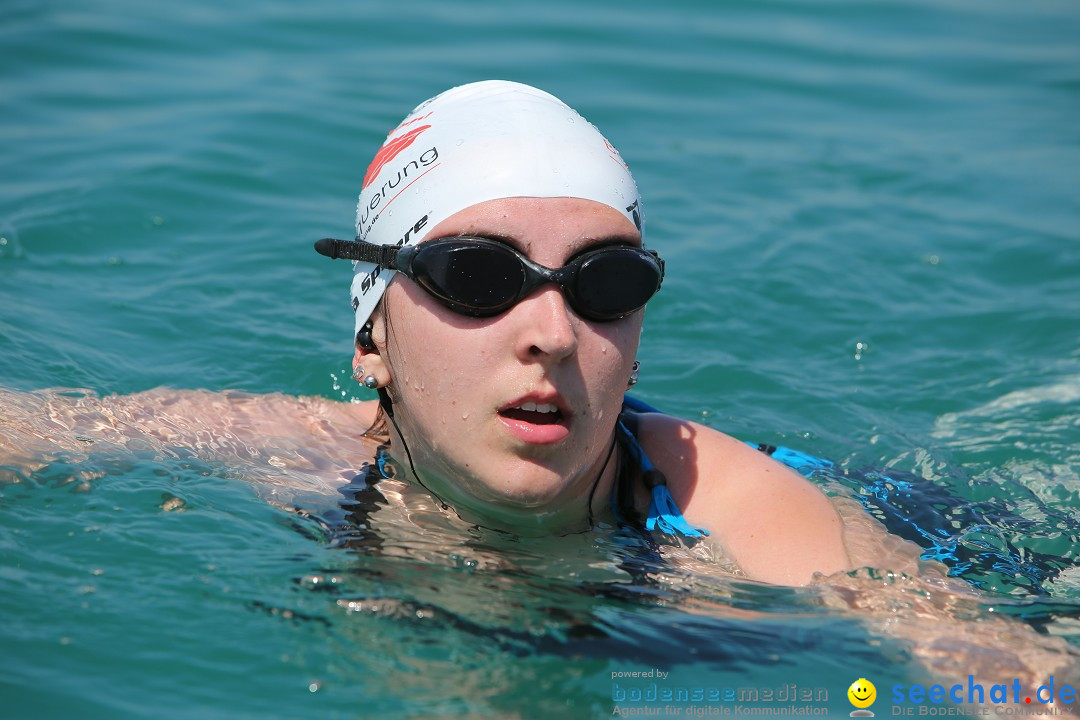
(460, 383)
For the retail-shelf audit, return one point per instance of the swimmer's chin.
(540, 508)
(524, 519)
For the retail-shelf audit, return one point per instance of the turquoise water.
(870, 217)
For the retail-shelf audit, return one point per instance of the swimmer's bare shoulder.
(776, 525)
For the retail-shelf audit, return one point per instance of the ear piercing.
(368, 381)
(365, 343)
(633, 375)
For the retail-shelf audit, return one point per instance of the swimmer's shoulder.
(774, 523)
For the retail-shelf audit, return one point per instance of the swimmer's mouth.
(534, 413)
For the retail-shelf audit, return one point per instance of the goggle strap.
(382, 255)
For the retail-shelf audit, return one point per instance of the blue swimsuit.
(664, 515)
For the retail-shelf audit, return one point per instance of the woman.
(505, 341)
(499, 290)
(499, 322)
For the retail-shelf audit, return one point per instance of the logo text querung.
(411, 168)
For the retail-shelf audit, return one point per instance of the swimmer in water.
(500, 281)
(499, 284)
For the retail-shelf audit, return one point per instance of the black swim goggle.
(482, 277)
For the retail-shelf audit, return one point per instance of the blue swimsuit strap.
(664, 514)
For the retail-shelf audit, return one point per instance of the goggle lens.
(467, 276)
(612, 284)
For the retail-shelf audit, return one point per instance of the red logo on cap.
(389, 151)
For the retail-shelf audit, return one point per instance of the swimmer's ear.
(369, 367)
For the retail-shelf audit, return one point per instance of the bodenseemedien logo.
(862, 695)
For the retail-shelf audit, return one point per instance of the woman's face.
(463, 386)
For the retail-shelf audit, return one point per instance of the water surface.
(869, 215)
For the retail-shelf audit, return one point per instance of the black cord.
(596, 482)
(387, 406)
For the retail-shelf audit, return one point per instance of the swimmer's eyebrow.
(578, 247)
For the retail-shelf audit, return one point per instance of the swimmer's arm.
(36, 426)
(761, 516)
(944, 625)
(777, 526)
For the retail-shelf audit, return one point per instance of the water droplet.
(314, 686)
(460, 141)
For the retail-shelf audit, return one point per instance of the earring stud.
(633, 375)
(370, 382)
(358, 374)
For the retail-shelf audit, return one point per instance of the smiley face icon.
(862, 693)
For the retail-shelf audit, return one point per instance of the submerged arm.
(780, 528)
(38, 427)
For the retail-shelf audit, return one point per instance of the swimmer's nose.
(547, 326)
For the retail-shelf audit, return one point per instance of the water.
(869, 214)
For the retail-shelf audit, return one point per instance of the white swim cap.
(483, 141)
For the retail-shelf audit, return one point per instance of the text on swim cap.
(412, 167)
(369, 279)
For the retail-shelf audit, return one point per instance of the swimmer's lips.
(546, 415)
(540, 420)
